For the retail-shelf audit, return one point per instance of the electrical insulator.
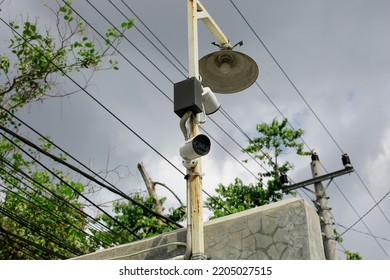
(346, 161)
(283, 179)
(314, 157)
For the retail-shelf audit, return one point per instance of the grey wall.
(285, 230)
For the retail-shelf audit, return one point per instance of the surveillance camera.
(210, 102)
(195, 147)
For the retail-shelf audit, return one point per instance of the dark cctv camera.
(195, 147)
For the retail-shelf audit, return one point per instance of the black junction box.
(187, 96)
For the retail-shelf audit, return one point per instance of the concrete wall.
(285, 230)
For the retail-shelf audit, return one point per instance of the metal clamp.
(194, 174)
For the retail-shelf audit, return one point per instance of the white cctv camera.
(210, 102)
(195, 147)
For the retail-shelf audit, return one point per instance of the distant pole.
(323, 209)
(151, 187)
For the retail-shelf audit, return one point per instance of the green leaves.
(43, 203)
(66, 11)
(4, 64)
(269, 147)
(127, 24)
(352, 255)
(40, 60)
(142, 222)
(37, 61)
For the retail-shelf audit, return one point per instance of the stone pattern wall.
(285, 230)
(279, 231)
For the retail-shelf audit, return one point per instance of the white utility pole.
(326, 220)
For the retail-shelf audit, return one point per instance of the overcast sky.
(336, 53)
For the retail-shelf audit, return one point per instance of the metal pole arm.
(318, 179)
(212, 26)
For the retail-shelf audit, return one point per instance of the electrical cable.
(37, 246)
(154, 45)
(165, 75)
(32, 180)
(50, 212)
(70, 156)
(36, 229)
(149, 79)
(337, 186)
(368, 212)
(308, 105)
(365, 233)
(285, 74)
(59, 178)
(131, 43)
(171, 81)
(305, 101)
(65, 74)
(74, 168)
(97, 101)
(61, 161)
(292, 84)
(100, 13)
(131, 10)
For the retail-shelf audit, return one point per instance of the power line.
(138, 49)
(154, 45)
(47, 210)
(110, 187)
(368, 212)
(59, 198)
(131, 43)
(36, 229)
(299, 93)
(302, 97)
(285, 74)
(107, 111)
(362, 232)
(148, 80)
(61, 161)
(305, 143)
(70, 156)
(55, 175)
(28, 242)
(131, 10)
(229, 118)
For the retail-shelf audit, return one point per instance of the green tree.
(143, 223)
(34, 204)
(273, 141)
(38, 58)
(39, 207)
(348, 254)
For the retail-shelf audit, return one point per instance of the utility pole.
(227, 71)
(321, 202)
(326, 220)
(196, 11)
(194, 179)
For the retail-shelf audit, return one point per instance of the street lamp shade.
(227, 71)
